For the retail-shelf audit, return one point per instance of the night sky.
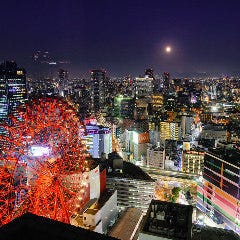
(124, 36)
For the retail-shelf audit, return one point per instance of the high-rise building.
(175, 130)
(165, 132)
(98, 88)
(63, 82)
(169, 131)
(187, 125)
(143, 86)
(13, 89)
(124, 106)
(99, 140)
(156, 157)
(219, 193)
(166, 83)
(157, 101)
(193, 161)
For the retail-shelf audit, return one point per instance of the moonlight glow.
(168, 49)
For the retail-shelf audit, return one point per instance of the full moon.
(168, 49)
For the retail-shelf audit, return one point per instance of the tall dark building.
(98, 88)
(84, 99)
(149, 72)
(63, 84)
(166, 82)
(62, 74)
(13, 89)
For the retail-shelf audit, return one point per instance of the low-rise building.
(165, 220)
(132, 192)
(193, 161)
(98, 214)
(135, 188)
(156, 157)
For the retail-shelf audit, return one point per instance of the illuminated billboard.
(39, 151)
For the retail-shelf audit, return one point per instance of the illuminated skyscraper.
(13, 90)
(98, 88)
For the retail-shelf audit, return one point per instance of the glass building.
(13, 90)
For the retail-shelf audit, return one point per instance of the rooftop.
(168, 220)
(214, 127)
(213, 233)
(104, 197)
(33, 227)
(231, 155)
(91, 211)
(128, 223)
(132, 171)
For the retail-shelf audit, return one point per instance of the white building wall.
(95, 152)
(94, 180)
(98, 228)
(132, 192)
(91, 219)
(154, 137)
(109, 212)
(144, 86)
(155, 158)
(174, 130)
(107, 143)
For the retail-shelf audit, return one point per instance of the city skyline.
(124, 37)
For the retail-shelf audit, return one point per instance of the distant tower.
(166, 83)
(13, 89)
(149, 72)
(98, 88)
(63, 85)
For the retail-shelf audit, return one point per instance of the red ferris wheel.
(42, 162)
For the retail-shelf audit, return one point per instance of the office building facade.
(13, 89)
(99, 140)
(219, 194)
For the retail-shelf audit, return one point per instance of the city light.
(117, 108)
(135, 137)
(39, 151)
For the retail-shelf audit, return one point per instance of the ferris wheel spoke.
(41, 148)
